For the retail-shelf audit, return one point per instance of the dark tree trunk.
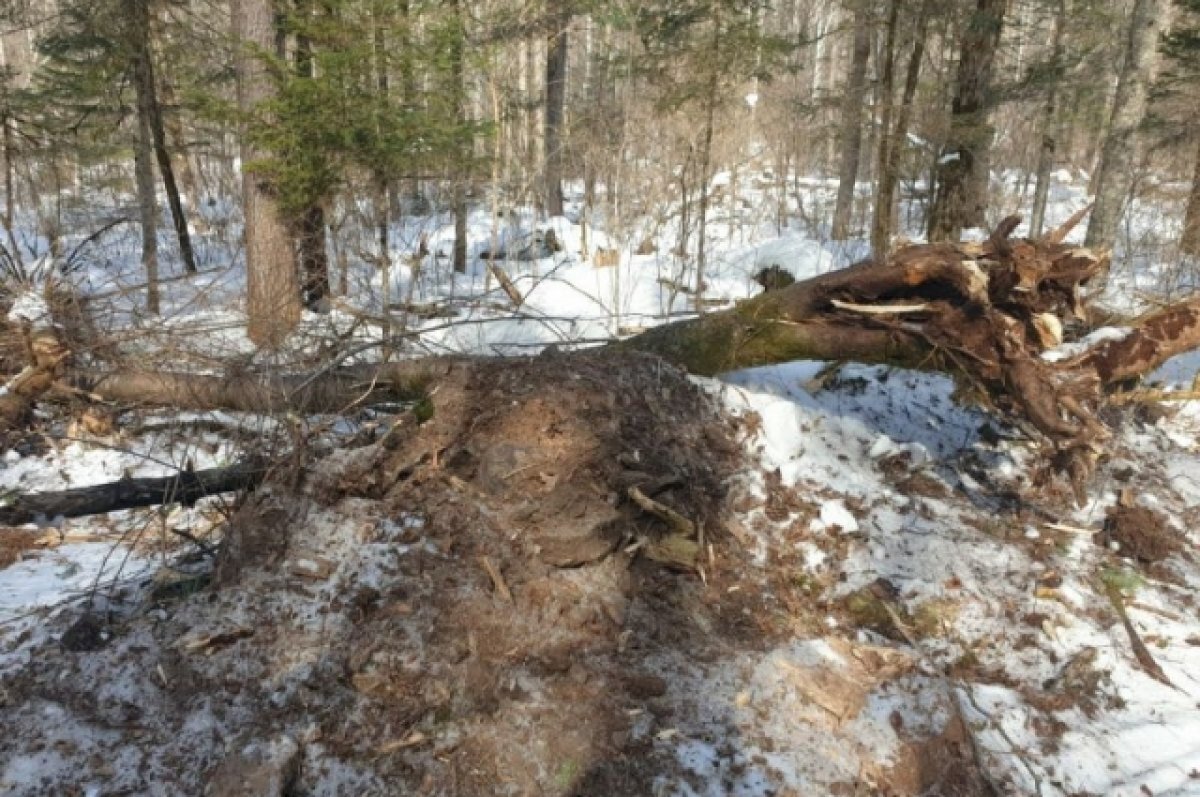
(309, 226)
(851, 123)
(961, 195)
(459, 90)
(556, 96)
(148, 105)
(313, 255)
(185, 487)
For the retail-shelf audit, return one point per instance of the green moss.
(932, 617)
(423, 410)
(868, 611)
(1123, 581)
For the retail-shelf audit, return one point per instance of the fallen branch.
(1140, 651)
(185, 487)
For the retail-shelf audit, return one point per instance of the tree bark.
(1050, 131)
(143, 166)
(881, 217)
(309, 226)
(272, 286)
(556, 95)
(313, 254)
(459, 90)
(185, 487)
(851, 123)
(893, 139)
(961, 198)
(1189, 243)
(1115, 173)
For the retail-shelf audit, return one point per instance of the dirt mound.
(522, 587)
(452, 609)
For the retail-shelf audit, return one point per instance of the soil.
(463, 607)
(14, 542)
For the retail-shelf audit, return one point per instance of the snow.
(827, 437)
(29, 307)
(835, 435)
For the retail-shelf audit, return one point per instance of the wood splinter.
(497, 579)
(678, 523)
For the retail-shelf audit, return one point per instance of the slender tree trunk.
(311, 248)
(556, 95)
(852, 114)
(1190, 242)
(143, 155)
(177, 143)
(881, 218)
(309, 227)
(272, 285)
(961, 195)
(10, 191)
(384, 193)
(147, 206)
(1049, 125)
(1119, 153)
(148, 105)
(710, 120)
(459, 89)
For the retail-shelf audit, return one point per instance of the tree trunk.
(1119, 153)
(143, 76)
(143, 166)
(459, 91)
(851, 134)
(881, 218)
(272, 285)
(10, 191)
(1050, 131)
(309, 226)
(961, 198)
(176, 143)
(313, 254)
(1189, 243)
(556, 95)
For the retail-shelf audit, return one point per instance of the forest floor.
(473, 606)
(877, 598)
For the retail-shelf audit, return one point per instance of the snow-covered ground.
(900, 484)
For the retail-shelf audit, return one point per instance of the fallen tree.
(185, 487)
(985, 312)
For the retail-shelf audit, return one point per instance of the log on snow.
(185, 487)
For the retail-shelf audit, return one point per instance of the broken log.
(984, 312)
(330, 390)
(185, 487)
